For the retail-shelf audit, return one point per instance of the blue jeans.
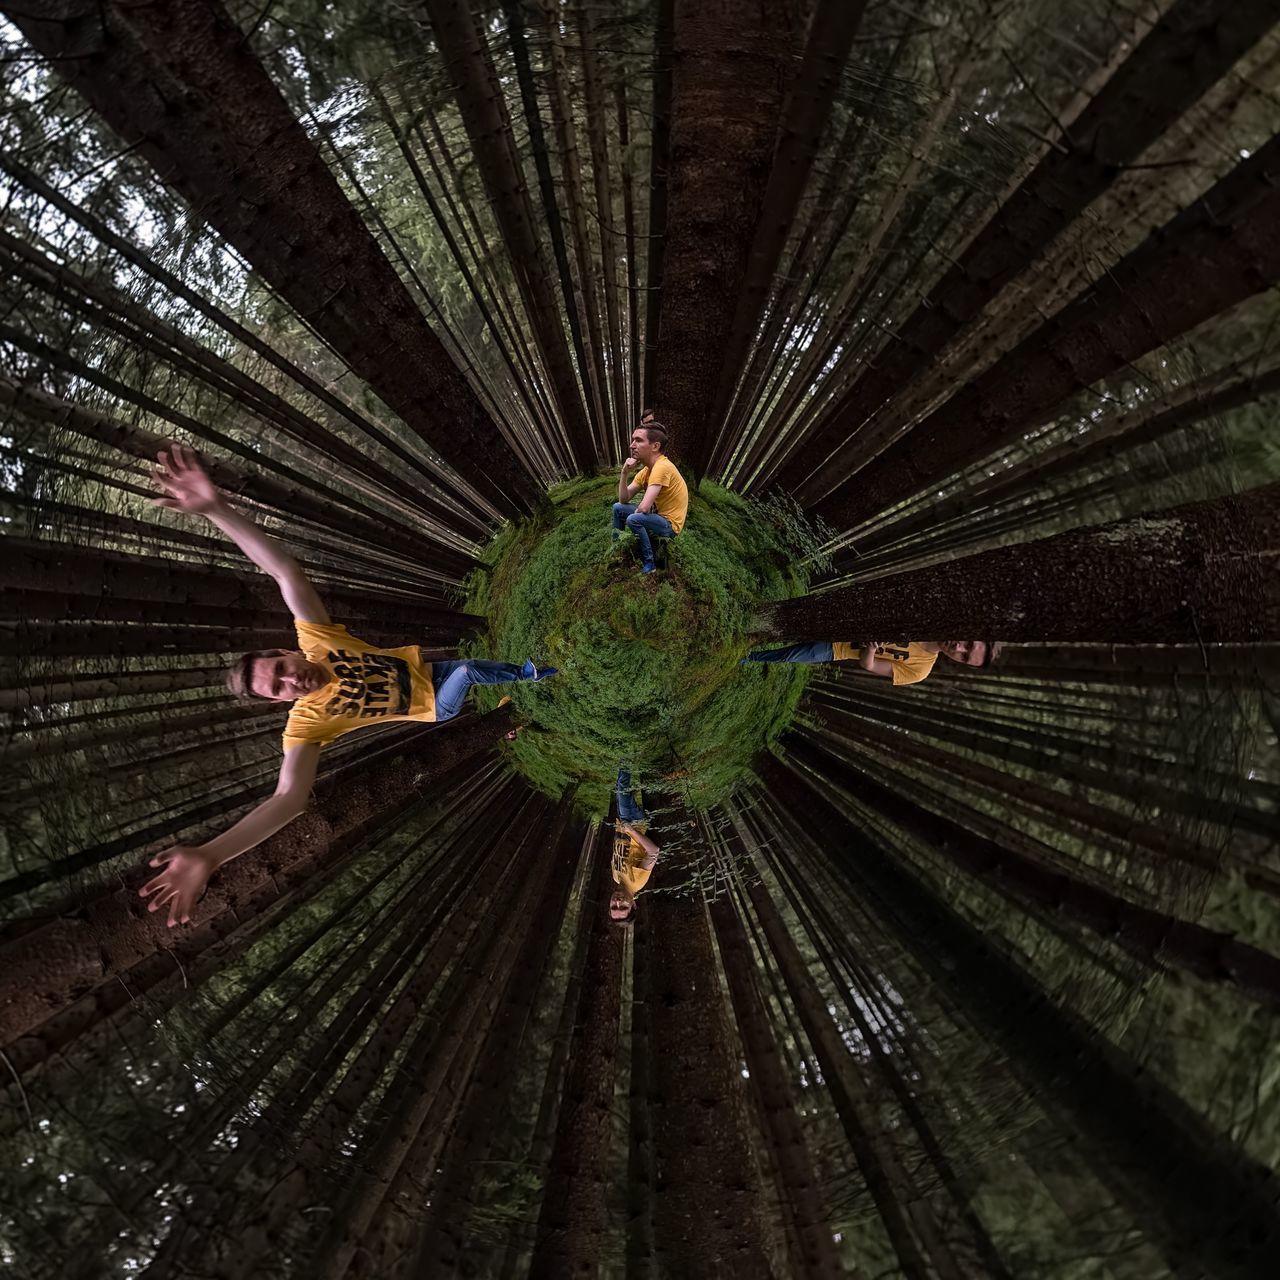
(818, 651)
(452, 680)
(625, 513)
(629, 809)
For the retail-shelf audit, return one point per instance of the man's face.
(620, 906)
(287, 677)
(969, 653)
(641, 448)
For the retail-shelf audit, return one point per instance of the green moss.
(649, 672)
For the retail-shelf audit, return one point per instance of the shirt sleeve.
(914, 669)
(320, 637)
(662, 472)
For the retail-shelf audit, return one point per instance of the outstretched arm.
(188, 488)
(187, 868)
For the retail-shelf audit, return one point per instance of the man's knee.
(635, 520)
(621, 508)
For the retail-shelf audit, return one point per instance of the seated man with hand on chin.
(665, 504)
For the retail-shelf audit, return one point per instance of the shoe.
(648, 567)
(530, 672)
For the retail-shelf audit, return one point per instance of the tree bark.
(1197, 574)
(706, 1218)
(1214, 255)
(726, 101)
(235, 152)
(1188, 50)
(813, 1250)
(47, 968)
(573, 1223)
(1204, 1203)
(481, 103)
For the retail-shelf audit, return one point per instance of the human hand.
(179, 473)
(630, 462)
(186, 872)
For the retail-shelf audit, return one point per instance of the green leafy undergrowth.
(648, 664)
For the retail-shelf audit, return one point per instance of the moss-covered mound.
(649, 672)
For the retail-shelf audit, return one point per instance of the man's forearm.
(269, 555)
(622, 484)
(256, 825)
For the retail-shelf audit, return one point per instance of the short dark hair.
(656, 433)
(239, 676)
(994, 649)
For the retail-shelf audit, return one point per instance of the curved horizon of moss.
(648, 664)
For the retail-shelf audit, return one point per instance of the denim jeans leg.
(642, 525)
(628, 808)
(817, 651)
(453, 678)
(621, 510)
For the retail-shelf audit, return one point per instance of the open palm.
(185, 481)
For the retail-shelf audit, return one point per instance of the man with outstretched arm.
(902, 661)
(662, 510)
(335, 682)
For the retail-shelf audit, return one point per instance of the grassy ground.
(649, 671)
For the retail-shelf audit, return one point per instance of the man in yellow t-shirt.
(335, 682)
(903, 661)
(662, 510)
(634, 854)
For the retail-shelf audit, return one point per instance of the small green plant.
(649, 664)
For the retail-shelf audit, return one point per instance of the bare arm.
(650, 497)
(651, 850)
(868, 661)
(189, 489)
(626, 491)
(187, 868)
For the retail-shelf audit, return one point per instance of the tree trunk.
(813, 1252)
(236, 153)
(1189, 49)
(706, 1219)
(1201, 1201)
(481, 103)
(659, 190)
(1158, 939)
(573, 1223)
(46, 969)
(1214, 255)
(1194, 574)
(726, 101)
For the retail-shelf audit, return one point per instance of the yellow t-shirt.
(628, 863)
(910, 661)
(673, 498)
(368, 686)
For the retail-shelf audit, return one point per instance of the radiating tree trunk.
(1189, 49)
(481, 103)
(238, 155)
(49, 967)
(573, 1223)
(1154, 936)
(1209, 258)
(659, 191)
(1198, 573)
(809, 97)
(707, 1222)
(813, 1253)
(907, 1216)
(726, 102)
(1202, 1202)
